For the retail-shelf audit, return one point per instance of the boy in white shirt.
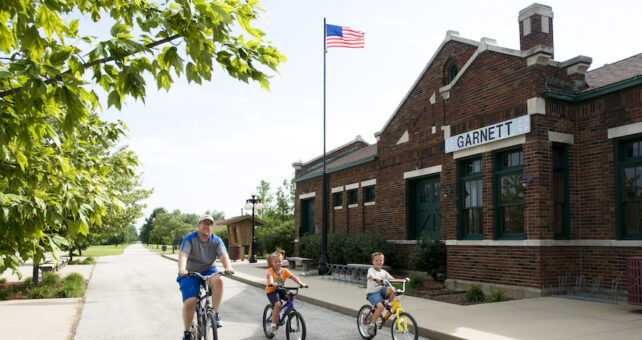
(376, 293)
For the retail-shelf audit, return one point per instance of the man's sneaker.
(219, 324)
(187, 335)
(371, 330)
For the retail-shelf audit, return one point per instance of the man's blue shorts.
(189, 284)
(377, 297)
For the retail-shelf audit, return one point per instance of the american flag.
(338, 36)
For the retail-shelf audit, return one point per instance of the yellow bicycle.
(403, 326)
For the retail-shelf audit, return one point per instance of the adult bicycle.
(205, 326)
(403, 326)
(294, 324)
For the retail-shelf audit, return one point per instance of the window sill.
(338, 208)
(353, 205)
(367, 204)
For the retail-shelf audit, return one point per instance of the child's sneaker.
(271, 328)
(187, 335)
(371, 330)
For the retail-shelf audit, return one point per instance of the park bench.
(48, 267)
(300, 262)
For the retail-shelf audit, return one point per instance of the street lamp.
(253, 204)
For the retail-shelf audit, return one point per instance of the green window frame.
(352, 197)
(369, 194)
(470, 200)
(629, 188)
(509, 194)
(337, 198)
(561, 219)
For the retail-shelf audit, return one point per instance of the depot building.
(529, 168)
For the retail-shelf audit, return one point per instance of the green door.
(307, 217)
(424, 208)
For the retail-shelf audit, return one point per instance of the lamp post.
(253, 204)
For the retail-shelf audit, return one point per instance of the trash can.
(235, 252)
(634, 280)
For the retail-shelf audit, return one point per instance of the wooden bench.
(301, 262)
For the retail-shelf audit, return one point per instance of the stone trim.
(337, 189)
(308, 195)
(625, 130)
(422, 172)
(545, 243)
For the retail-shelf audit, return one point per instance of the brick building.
(527, 167)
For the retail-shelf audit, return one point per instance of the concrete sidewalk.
(41, 318)
(536, 318)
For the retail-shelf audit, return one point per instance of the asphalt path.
(135, 296)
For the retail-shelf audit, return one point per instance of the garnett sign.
(491, 133)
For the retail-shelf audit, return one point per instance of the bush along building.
(527, 167)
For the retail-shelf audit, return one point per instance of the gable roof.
(352, 158)
(614, 73)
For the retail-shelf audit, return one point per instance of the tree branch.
(90, 64)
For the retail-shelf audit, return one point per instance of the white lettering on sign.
(491, 133)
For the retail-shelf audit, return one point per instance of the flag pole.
(323, 261)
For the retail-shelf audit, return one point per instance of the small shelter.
(239, 231)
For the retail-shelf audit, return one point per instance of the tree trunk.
(34, 276)
(71, 254)
(79, 251)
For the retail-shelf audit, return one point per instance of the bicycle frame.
(394, 306)
(289, 304)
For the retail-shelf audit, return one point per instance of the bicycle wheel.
(364, 319)
(210, 327)
(295, 326)
(404, 327)
(267, 317)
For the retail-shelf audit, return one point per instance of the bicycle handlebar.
(390, 282)
(205, 277)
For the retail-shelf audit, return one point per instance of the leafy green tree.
(146, 229)
(53, 184)
(267, 198)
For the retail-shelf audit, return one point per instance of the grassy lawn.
(157, 248)
(104, 250)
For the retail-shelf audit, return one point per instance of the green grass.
(104, 250)
(157, 248)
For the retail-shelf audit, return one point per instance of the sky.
(207, 147)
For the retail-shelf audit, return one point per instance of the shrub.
(28, 281)
(75, 278)
(416, 281)
(498, 296)
(475, 294)
(346, 248)
(429, 256)
(71, 289)
(89, 260)
(10, 291)
(50, 279)
(3, 280)
(310, 246)
(41, 292)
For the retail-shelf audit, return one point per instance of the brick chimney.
(536, 27)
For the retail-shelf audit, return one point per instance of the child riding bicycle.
(376, 293)
(277, 276)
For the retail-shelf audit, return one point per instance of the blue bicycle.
(294, 324)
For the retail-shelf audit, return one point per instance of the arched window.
(450, 71)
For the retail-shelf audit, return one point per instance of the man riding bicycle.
(198, 253)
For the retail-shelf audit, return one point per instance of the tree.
(263, 193)
(146, 229)
(53, 185)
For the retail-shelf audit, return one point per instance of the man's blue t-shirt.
(201, 255)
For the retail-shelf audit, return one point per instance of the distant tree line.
(169, 228)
